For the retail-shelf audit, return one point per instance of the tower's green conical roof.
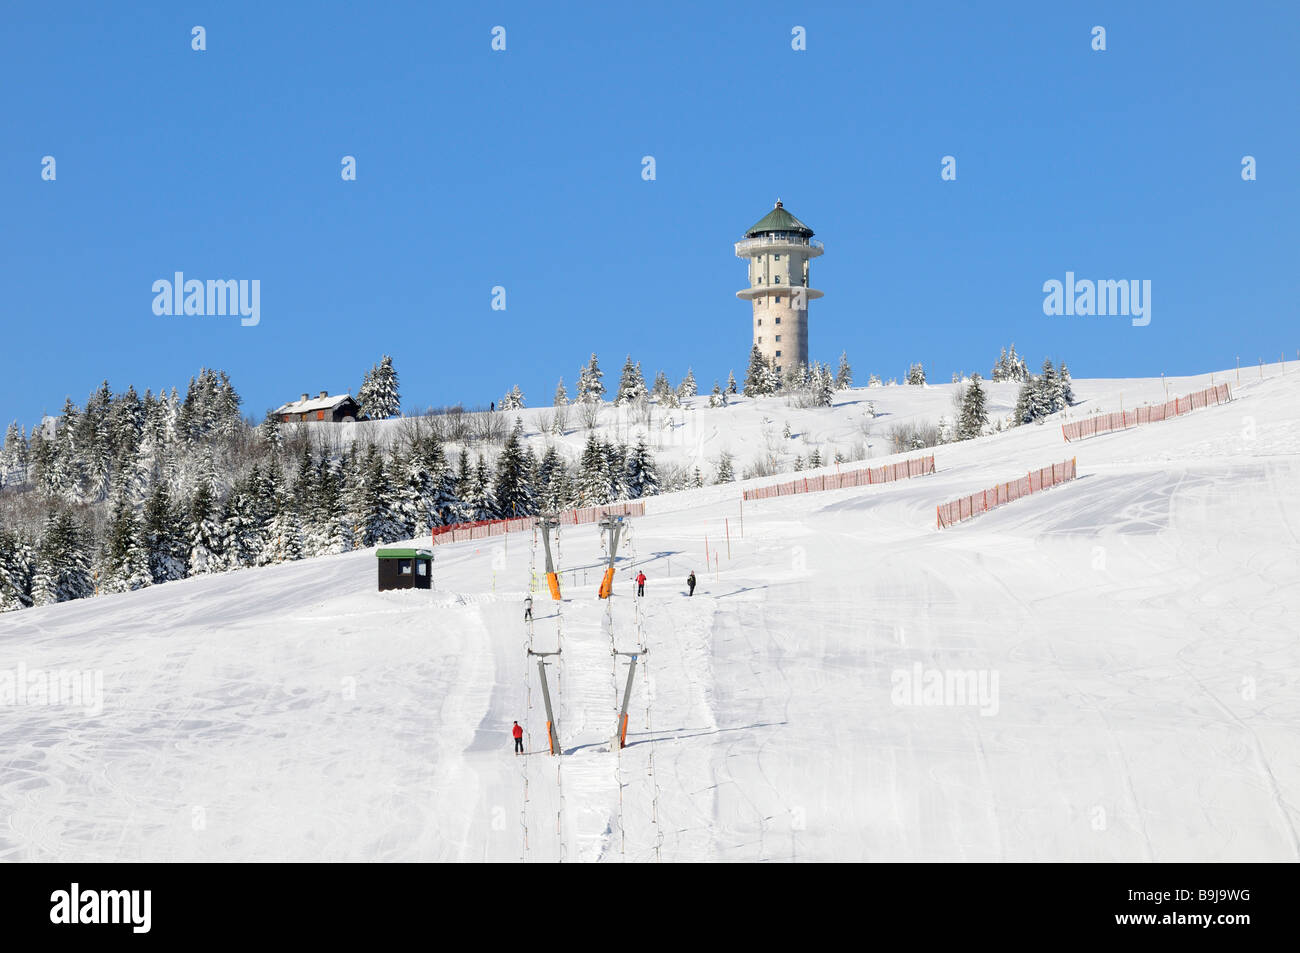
(779, 220)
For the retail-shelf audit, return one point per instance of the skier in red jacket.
(519, 738)
(640, 584)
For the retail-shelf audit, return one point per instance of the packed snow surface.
(1105, 671)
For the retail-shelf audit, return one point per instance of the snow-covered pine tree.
(204, 531)
(1000, 367)
(661, 388)
(513, 400)
(814, 459)
(62, 563)
(1051, 394)
(823, 386)
(125, 563)
(554, 491)
(844, 374)
(756, 376)
(631, 387)
(593, 484)
(974, 414)
(591, 385)
(514, 491)
(642, 476)
(386, 401)
(561, 395)
(1067, 390)
(874, 381)
(17, 566)
(726, 471)
(1025, 403)
(717, 398)
(916, 374)
(697, 478)
(771, 378)
(162, 536)
(13, 465)
(687, 387)
(731, 383)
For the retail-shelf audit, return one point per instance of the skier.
(640, 584)
(528, 608)
(519, 738)
(690, 583)
(492, 407)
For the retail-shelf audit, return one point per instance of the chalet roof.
(313, 404)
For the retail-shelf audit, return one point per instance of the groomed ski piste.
(1133, 632)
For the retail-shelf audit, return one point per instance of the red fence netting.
(918, 466)
(1106, 423)
(482, 529)
(1035, 481)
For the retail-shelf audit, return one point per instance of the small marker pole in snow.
(1238, 369)
(727, 524)
(1261, 368)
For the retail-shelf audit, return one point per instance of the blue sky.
(522, 169)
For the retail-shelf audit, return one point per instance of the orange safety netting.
(482, 529)
(1034, 481)
(1122, 420)
(918, 466)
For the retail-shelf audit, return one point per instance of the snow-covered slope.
(1134, 634)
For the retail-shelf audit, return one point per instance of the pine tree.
(1067, 391)
(380, 396)
(1025, 403)
(561, 395)
(974, 415)
(717, 398)
(814, 459)
(642, 476)
(62, 566)
(661, 387)
(725, 472)
(874, 381)
(514, 491)
(756, 376)
(1050, 394)
(1000, 367)
(204, 532)
(162, 536)
(687, 387)
(844, 375)
(823, 386)
(731, 383)
(594, 486)
(17, 567)
(631, 387)
(591, 386)
(916, 374)
(125, 565)
(513, 400)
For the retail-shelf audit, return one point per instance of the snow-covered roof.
(313, 404)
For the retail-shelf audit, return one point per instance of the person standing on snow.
(690, 583)
(640, 584)
(519, 738)
(528, 608)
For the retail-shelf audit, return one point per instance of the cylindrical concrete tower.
(779, 248)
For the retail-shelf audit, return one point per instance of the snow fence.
(482, 529)
(1106, 423)
(918, 466)
(1035, 480)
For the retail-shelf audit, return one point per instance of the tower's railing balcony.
(782, 291)
(811, 246)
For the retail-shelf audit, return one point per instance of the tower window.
(778, 299)
(778, 353)
(778, 337)
(776, 257)
(760, 339)
(777, 280)
(760, 322)
(778, 320)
